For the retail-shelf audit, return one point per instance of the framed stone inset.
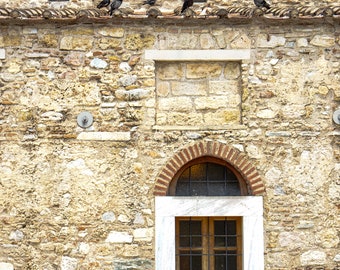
(198, 89)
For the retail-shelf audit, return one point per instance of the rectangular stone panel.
(198, 93)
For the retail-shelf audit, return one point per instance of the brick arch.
(233, 156)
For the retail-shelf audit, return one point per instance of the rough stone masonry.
(73, 198)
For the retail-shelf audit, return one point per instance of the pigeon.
(262, 3)
(115, 5)
(103, 3)
(186, 4)
(149, 2)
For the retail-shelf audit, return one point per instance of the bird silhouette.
(103, 3)
(115, 5)
(149, 2)
(262, 3)
(186, 4)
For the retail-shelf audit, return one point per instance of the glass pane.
(182, 189)
(215, 172)
(198, 172)
(231, 232)
(219, 227)
(233, 189)
(190, 261)
(217, 189)
(184, 234)
(190, 233)
(220, 260)
(185, 176)
(198, 189)
(231, 260)
(196, 233)
(230, 177)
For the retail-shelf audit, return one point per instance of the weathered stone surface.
(119, 237)
(313, 257)
(6, 266)
(270, 41)
(323, 41)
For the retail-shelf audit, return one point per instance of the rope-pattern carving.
(153, 12)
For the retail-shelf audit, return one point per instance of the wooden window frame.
(208, 241)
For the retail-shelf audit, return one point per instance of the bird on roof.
(261, 3)
(186, 4)
(115, 5)
(149, 2)
(103, 3)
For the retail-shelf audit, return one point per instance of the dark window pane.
(182, 189)
(215, 172)
(219, 227)
(190, 233)
(233, 189)
(217, 189)
(231, 260)
(197, 260)
(220, 260)
(198, 189)
(231, 232)
(190, 260)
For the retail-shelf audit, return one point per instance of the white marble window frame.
(250, 208)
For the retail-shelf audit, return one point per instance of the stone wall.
(83, 199)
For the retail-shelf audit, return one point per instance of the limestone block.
(241, 42)
(323, 41)
(328, 238)
(79, 43)
(216, 102)
(222, 117)
(181, 104)
(207, 41)
(98, 63)
(203, 70)
(302, 42)
(220, 87)
(128, 80)
(68, 263)
(143, 234)
(138, 41)
(119, 237)
(313, 257)
(180, 119)
(109, 43)
(124, 66)
(265, 41)
(104, 136)
(109, 216)
(111, 32)
(232, 70)
(266, 114)
(169, 71)
(163, 89)
(6, 266)
(2, 54)
(188, 88)
(49, 40)
(52, 116)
